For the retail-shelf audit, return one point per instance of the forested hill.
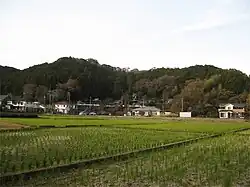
(82, 78)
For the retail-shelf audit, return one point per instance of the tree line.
(201, 88)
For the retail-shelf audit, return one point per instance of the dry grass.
(10, 125)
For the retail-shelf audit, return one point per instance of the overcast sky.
(127, 33)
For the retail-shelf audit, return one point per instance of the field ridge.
(123, 156)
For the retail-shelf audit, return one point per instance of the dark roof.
(238, 105)
(224, 104)
(62, 103)
(2, 97)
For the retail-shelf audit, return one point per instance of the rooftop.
(238, 105)
(62, 103)
(147, 108)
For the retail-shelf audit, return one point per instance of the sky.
(127, 33)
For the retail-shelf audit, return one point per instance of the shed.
(185, 114)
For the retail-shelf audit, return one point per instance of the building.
(231, 110)
(16, 103)
(62, 107)
(146, 111)
(185, 114)
(34, 107)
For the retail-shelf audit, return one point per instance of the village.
(116, 108)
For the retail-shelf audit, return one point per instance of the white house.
(19, 105)
(62, 107)
(146, 111)
(231, 111)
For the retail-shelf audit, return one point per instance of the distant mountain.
(5, 70)
(104, 81)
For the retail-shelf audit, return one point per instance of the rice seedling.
(77, 121)
(27, 150)
(191, 125)
(208, 126)
(223, 161)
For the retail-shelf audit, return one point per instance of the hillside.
(82, 78)
(5, 70)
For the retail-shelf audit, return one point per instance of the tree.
(212, 82)
(58, 95)
(71, 89)
(225, 95)
(193, 93)
(125, 101)
(82, 78)
(165, 96)
(29, 92)
(41, 92)
(219, 88)
(176, 104)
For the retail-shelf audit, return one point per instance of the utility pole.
(69, 97)
(50, 99)
(44, 100)
(128, 103)
(182, 104)
(90, 103)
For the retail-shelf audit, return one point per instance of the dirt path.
(9, 125)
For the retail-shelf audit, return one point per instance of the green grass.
(212, 126)
(191, 125)
(223, 161)
(27, 150)
(63, 121)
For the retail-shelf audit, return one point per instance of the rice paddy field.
(62, 121)
(100, 141)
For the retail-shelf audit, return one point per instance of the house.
(146, 111)
(86, 108)
(34, 107)
(62, 107)
(231, 110)
(16, 103)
